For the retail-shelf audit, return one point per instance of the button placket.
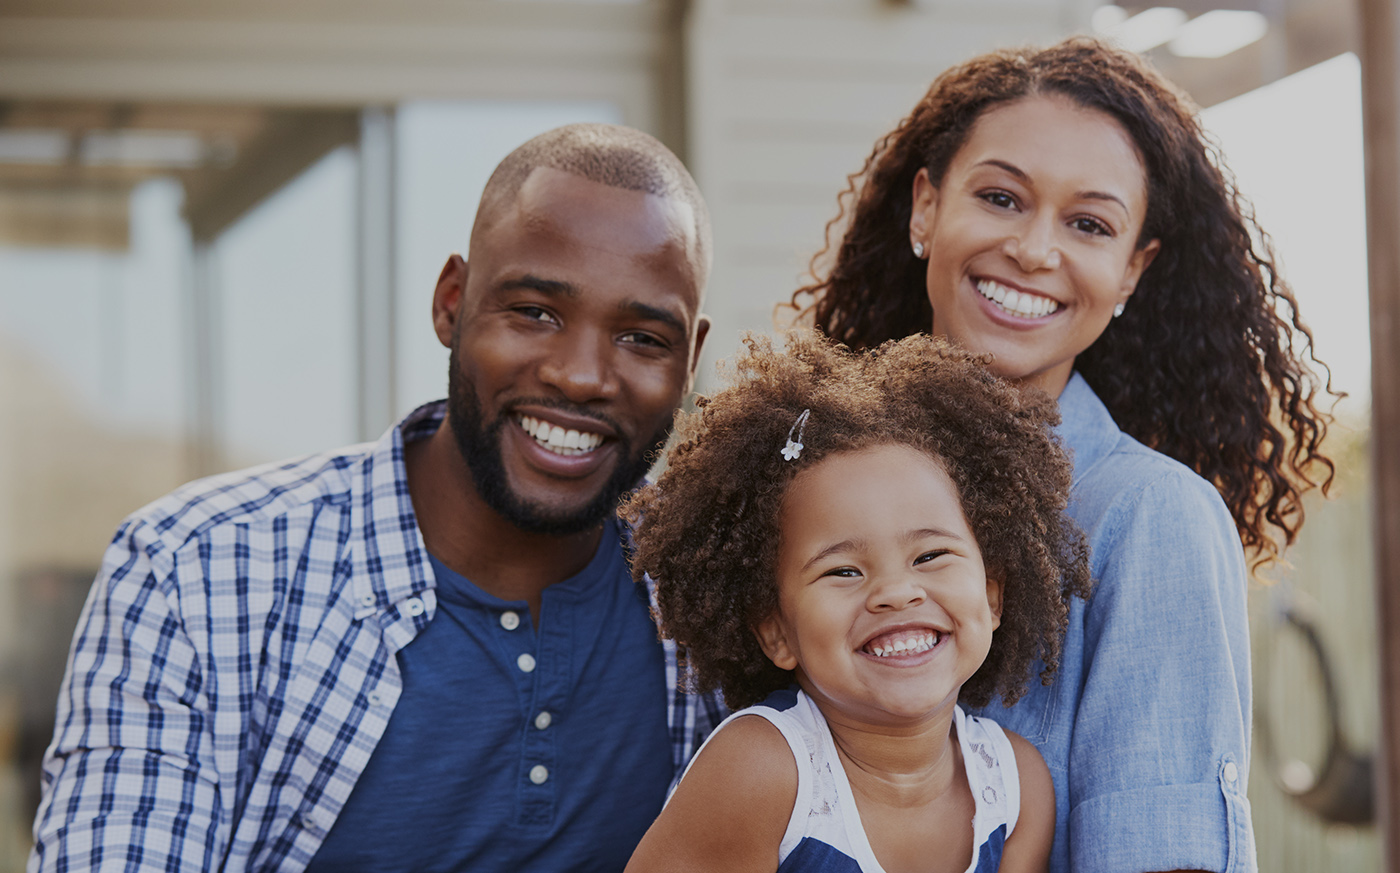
(554, 681)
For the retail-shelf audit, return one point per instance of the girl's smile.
(885, 608)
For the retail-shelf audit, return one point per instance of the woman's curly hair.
(707, 531)
(1209, 361)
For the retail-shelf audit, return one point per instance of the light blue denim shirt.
(1146, 725)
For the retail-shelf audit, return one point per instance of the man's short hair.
(612, 155)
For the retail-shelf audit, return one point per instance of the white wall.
(787, 97)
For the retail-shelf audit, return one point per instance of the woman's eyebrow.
(1008, 167)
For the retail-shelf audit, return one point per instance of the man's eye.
(536, 313)
(641, 338)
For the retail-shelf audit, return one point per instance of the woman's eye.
(1086, 224)
(1000, 199)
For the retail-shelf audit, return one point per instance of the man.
(425, 654)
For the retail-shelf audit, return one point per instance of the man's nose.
(581, 366)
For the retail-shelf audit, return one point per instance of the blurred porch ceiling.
(236, 97)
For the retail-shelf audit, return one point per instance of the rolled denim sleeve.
(1159, 758)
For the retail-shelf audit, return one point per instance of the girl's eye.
(843, 572)
(1086, 224)
(1000, 199)
(929, 556)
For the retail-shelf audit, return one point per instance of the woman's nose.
(1033, 248)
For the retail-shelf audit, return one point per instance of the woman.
(1061, 211)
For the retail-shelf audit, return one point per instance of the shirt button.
(539, 774)
(375, 698)
(413, 606)
(542, 720)
(526, 663)
(1231, 772)
(510, 620)
(367, 599)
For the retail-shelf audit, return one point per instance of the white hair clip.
(793, 450)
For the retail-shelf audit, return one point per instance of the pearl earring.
(1118, 310)
(918, 250)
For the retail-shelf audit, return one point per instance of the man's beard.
(479, 443)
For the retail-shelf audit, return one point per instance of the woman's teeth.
(904, 644)
(558, 440)
(1016, 302)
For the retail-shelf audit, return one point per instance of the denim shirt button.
(1232, 773)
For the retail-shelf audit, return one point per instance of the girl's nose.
(894, 592)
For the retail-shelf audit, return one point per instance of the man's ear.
(994, 592)
(447, 298)
(773, 640)
(702, 330)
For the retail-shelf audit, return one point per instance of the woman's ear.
(772, 638)
(994, 592)
(1137, 265)
(922, 209)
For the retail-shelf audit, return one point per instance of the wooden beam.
(291, 143)
(1380, 84)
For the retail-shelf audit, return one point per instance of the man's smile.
(557, 439)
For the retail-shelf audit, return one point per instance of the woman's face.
(1032, 236)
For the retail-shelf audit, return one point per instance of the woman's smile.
(1032, 236)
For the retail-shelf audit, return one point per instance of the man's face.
(575, 331)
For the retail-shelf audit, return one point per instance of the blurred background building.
(221, 224)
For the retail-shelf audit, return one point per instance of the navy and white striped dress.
(825, 834)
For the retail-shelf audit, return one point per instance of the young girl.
(884, 531)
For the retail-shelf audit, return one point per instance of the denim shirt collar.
(1086, 428)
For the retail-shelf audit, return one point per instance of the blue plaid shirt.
(235, 666)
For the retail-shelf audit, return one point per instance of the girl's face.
(884, 607)
(1032, 236)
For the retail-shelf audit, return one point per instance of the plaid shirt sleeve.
(130, 781)
(234, 668)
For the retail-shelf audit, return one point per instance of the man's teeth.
(1016, 302)
(911, 643)
(558, 440)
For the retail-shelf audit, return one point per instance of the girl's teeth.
(903, 645)
(1016, 302)
(558, 440)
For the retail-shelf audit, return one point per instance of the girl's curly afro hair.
(707, 531)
